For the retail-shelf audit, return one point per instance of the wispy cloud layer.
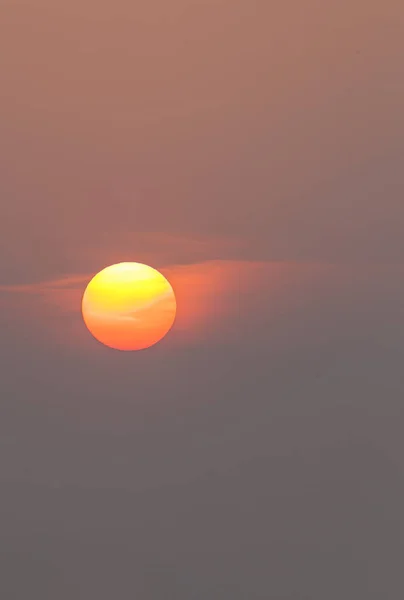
(235, 301)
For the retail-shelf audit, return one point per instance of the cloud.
(230, 301)
(214, 298)
(62, 293)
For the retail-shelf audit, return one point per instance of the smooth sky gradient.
(252, 152)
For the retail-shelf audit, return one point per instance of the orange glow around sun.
(129, 306)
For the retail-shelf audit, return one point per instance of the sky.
(252, 152)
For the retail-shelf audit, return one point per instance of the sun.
(129, 306)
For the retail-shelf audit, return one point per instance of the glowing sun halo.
(129, 306)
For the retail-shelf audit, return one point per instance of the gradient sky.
(252, 151)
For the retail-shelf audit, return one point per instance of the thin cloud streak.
(211, 296)
(230, 301)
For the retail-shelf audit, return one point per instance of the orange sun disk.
(129, 306)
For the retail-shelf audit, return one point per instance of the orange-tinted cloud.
(225, 302)
(216, 300)
(208, 299)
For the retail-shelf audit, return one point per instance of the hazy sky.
(253, 151)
